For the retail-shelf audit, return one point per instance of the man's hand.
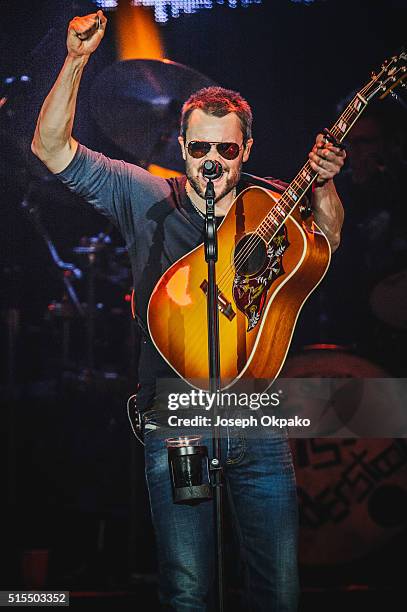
(82, 39)
(326, 159)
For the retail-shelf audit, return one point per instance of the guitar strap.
(276, 185)
(141, 325)
(268, 182)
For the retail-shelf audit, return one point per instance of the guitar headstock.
(391, 74)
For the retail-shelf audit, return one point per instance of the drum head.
(352, 492)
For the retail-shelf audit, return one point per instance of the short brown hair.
(219, 102)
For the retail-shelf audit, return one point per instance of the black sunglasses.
(228, 150)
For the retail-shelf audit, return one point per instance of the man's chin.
(220, 190)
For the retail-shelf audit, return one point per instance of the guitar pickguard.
(250, 290)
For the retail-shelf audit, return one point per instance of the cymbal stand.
(90, 313)
(67, 270)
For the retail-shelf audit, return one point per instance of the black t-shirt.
(158, 223)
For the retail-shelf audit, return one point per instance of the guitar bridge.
(224, 305)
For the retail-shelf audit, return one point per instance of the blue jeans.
(260, 482)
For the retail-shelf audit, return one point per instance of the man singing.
(161, 220)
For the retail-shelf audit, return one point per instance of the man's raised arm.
(53, 143)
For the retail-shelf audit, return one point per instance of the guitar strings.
(269, 222)
(347, 113)
(254, 241)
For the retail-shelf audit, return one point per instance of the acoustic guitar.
(270, 259)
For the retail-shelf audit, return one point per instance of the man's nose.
(213, 153)
(212, 149)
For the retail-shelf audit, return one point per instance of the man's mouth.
(215, 180)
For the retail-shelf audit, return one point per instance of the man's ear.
(246, 151)
(182, 145)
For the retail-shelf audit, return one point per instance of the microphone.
(212, 169)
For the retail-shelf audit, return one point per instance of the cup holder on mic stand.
(189, 470)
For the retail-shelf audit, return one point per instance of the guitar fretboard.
(306, 176)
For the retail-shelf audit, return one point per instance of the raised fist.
(85, 34)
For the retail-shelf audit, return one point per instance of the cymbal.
(389, 300)
(137, 105)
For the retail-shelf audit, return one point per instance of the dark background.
(73, 470)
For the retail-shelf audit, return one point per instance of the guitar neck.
(391, 74)
(306, 176)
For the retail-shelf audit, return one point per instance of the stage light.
(137, 34)
(106, 5)
(165, 9)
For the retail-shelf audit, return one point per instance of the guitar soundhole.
(250, 255)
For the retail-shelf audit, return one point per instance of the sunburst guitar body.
(262, 284)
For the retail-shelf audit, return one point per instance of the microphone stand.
(211, 256)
